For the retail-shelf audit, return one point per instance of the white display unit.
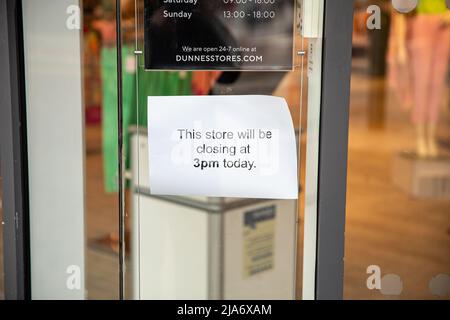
(202, 248)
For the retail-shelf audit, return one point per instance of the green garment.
(431, 7)
(109, 112)
(150, 83)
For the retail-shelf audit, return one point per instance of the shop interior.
(398, 191)
(401, 228)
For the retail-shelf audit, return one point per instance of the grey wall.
(55, 119)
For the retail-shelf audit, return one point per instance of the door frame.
(333, 148)
(13, 154)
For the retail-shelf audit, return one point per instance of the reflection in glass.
(200, 247)
(398, 196)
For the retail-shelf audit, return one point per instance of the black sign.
(219, 34)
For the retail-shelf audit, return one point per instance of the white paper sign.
(222, 146)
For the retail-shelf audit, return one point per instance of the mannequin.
(422, 45)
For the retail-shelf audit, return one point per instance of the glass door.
(174, 149)
(209, 71)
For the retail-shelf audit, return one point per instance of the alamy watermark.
(74, 277)
(392, 284)
(389, 284)
(73, 21)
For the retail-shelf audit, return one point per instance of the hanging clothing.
(431, 7)
(149, 83)
(109, 112)
(159, 83)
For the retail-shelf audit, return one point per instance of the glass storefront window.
(92, 221)
(72, 132)
(197, 246)
(99, 225)
(398, 200)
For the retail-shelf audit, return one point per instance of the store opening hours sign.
(219, 34)
(222, 146)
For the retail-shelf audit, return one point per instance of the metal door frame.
(13, 154)
(333, 149)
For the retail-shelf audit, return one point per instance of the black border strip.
(13, 153)
(121, 215)
(333, 148)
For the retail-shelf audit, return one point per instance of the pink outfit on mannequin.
(399, 74)
(429, 49)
